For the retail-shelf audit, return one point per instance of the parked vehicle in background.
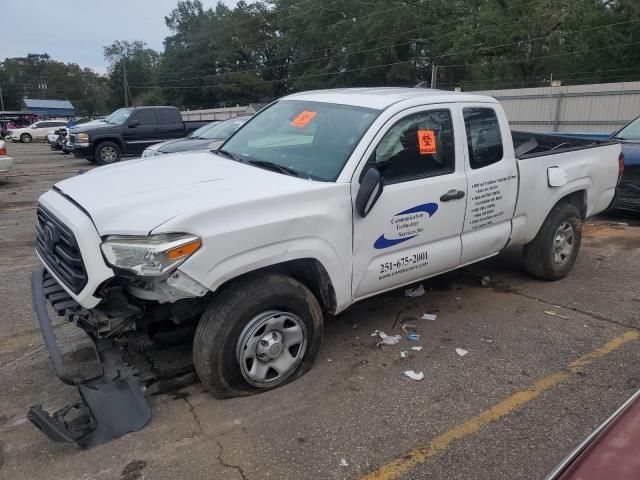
(128, 131)
(58, 139)
(211, 136)
(610, 452)
(628, 191)
(322, 199)
(6, 162)
(36, 131)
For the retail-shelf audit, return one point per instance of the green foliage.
(38, 76)
(258, 51)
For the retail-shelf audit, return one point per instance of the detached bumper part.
(111, 404)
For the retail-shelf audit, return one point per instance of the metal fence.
(600, 107)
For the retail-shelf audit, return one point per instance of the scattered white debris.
(329, 360)
(414, 375)
(343, 462)
(415, 292)
(417, 349)
(375, 333)
(457, 298)
(461, 351)
(404, 354)
(429, 316)
(406, 327)
(555, 314)
(388, 339)
(486, 340)
(486, 280)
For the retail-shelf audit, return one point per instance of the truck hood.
(93, 126)
(136, 196)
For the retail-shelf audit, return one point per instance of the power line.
(456, 21)
(431, 58)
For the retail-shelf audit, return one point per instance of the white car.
(6, 162)
(36, 131)
(322, 199)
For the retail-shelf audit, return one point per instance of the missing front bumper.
(111, 404)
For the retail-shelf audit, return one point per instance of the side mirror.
(370, 190)
(134, 123)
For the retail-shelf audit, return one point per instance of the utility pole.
(124, 79)
(1, 100)
(434, 75)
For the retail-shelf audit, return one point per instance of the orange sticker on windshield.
(303, 119)
(427, 142)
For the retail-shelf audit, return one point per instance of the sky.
(74, 31)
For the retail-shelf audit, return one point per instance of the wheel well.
(308, 271)
(577, 199)
(112, 140)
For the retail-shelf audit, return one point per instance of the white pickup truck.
(322, 199)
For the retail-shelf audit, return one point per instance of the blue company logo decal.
(406, 225)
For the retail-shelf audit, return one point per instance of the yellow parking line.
(403, 465)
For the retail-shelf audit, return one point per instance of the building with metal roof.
(51, 108)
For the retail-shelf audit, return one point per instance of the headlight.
(82, 138)
(149, 152)
(149, 256)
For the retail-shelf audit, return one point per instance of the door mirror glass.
(370, 190)
(134, 123)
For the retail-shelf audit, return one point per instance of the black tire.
(26, 138)
(215, 346)
(542, 258)
(107, 153)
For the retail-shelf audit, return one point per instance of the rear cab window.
(484, 139)
(168, 116)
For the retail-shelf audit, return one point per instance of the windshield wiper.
(230, 155)
(278, 168)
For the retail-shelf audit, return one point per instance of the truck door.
(413, 231)
(141, 131)
(170, 124)
(492, 178)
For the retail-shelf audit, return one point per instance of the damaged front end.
(111, 403)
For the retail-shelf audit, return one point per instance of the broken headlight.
(149, 256)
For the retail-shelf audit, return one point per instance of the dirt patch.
(133, 470)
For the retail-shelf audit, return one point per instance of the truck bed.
(532, 144)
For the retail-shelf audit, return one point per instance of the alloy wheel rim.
(270, 347)
(563, 243)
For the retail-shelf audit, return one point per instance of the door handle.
(452, 195)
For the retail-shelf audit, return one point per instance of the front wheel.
(107, 153)
(258, 334)
(26, 138)
(552, 253)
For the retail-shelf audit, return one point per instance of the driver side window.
(420, 145)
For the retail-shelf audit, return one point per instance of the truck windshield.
(314, 139)
(119, 116)
(631, 131)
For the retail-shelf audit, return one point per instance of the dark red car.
(610, 452)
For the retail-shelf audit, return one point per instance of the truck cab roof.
(381, 98)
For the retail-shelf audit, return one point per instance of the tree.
(140, 63)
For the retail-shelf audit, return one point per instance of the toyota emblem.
(49, 239)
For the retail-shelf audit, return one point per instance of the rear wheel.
(107, 153)
(26, 138)
(552, 253)
(260, 333)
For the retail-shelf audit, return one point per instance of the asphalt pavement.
(545, 364)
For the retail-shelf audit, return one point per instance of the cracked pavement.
(355, 404)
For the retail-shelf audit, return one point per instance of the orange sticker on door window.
(303, 119)
(427, 142)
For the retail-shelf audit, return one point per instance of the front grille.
(72, 138)
(57, 246)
